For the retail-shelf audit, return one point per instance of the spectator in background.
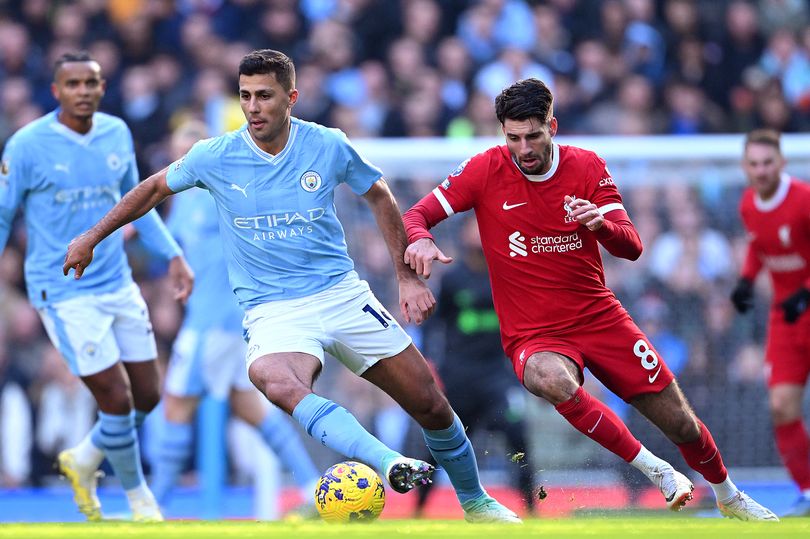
(16, 424)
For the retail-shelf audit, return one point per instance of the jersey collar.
(555, 161)
(65, 131)
(270, 158)
(777, 198)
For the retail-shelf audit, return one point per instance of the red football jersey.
(545, 268)
(779, 230)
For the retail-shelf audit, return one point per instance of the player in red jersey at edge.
(543, 209)
(775, 210)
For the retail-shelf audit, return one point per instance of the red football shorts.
(613, 348)
(787, 350)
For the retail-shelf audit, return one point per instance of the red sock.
(794, 446)
(703, 456)
(598, 422)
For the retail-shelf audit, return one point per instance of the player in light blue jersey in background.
(209, 352)
(66, 170)
(273, 182)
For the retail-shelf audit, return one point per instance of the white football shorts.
(94, 331)
(346, 320)
(210, 362)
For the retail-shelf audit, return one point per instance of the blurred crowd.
(420, 68)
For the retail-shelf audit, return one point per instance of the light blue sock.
(337, 429)
(140, 417)
(453, 451)
(116, 436)
(282, 438)
(173, 451)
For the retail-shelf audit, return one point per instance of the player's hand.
(182, 278)
(416, 301)
(420, 256)
(743, 295)
(79, 255)
(585, 212)
(796, 304)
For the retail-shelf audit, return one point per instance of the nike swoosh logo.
(652, 377)
(508, 206)
(670, 497)
(590, 431)
(710, 458)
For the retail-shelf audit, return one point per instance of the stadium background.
(657, 79)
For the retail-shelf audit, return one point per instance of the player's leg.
(80, 330)
(175, 444)
(788, 354)
(135, 340)
(184, 386)
(280, 436)
(670, 411)
(286, 380)
(408, 380)
(792, 440)
(556, 378)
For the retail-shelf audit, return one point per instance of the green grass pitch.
(607, 528)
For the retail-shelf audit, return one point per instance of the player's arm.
(610, 224)
(422, 250)
(743, 294)
(798, 302)
(13, 181)
(416, 300)
(145, 196)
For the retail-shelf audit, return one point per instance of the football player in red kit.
(543, 209)
(776, 212)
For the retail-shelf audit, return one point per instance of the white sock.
(139, 493)
(88, 454)
(647, 463)
(724, 491)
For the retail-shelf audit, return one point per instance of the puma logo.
(235, 187)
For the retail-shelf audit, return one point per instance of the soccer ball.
(348, 492)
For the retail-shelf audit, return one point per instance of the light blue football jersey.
(193, 222)
(66, 182)
(280, 234)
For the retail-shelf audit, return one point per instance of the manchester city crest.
(113, 161)
(311, 181)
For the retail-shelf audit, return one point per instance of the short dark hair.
(266, 61)
(764, 136)
(68, 57)
(527, 98)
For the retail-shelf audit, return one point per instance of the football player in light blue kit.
(273, 182)
(66, 170)
(209, 353)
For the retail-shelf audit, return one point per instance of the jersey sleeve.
(150, 227)
(460, 190)
(617, 234)
(605, 193)
(14, 173)
(188, 171)
(360, 175)
(751, 265)
(456, 194)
